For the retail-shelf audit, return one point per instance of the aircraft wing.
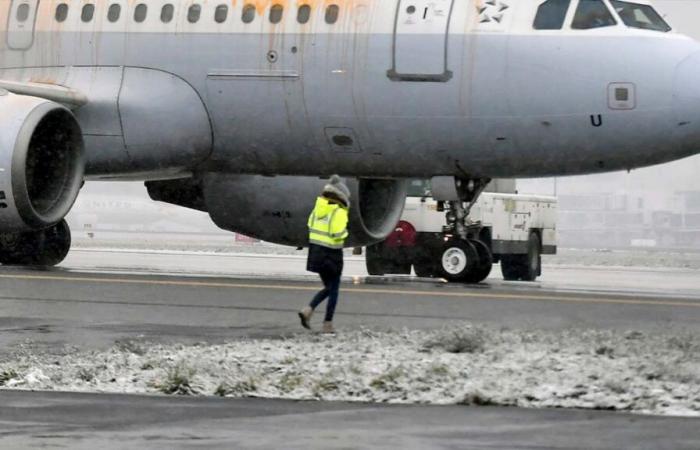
(69, 97)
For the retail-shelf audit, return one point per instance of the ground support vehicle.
(445, 239)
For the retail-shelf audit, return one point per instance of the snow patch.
(632, 371)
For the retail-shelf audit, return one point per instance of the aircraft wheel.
(484, 265)
(56, 244)
(457, 259)
(47, 247)
(20, 249)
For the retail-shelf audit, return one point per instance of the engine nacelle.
(276, 209)
(41, 162)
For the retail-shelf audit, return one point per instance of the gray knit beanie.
(337, 187)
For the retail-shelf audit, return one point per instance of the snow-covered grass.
(633, 371)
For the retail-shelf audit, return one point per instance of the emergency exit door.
(20, 26)
(420, 41)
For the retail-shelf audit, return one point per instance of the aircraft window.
(304, 14)
(592, 14)
(61, 12)
(276, 13)
(221, 13)
(23, 12)
(114, 12)
(140, 12)
(635, 15)
(551, 15)
(193, 13)
(332, 14)
(167, 13)
(248, 13)
(88, 12)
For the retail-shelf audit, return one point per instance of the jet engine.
(276, 209)
(41, 171)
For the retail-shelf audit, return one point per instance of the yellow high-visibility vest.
(328, 224)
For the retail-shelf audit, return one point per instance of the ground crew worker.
(328, 230)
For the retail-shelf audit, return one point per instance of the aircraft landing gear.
(464, 257)
(465, 260)
(47, 247)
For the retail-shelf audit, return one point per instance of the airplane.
(241, 108)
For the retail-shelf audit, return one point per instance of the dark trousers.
(331, 283)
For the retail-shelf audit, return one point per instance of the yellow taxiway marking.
(286, 287)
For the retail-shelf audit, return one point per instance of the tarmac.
(99, 296)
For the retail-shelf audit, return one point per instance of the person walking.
(328, 230)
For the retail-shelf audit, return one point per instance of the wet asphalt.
(99, 297)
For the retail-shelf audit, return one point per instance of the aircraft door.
(20, 26)
(420, 40)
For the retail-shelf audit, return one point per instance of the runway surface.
(87, 421)
(98, 297)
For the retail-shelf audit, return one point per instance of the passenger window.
(304, 14)
(635, 15)
(221, 13)
(551, 15)
(332, 14)
(88, 12)
(23, 12)
(592, 14)
(276, 13)
(193, 13)
(167, 13)
(61, 12)
(114, 12)
(140, 12)
(248, 13)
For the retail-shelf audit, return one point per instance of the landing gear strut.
(465, 257)
(47, 247)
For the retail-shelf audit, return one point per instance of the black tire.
(56, 244)
(533, 265)
(374, 261)
(401, 268)
(47, 247)
(510, 267)
(484, 265)
(424, 269)
(457, 260)
(381, 261)
(524, 267)
(20, 249)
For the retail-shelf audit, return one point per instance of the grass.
(7, 375)
(86, 374)
(463, 340)
(388, 380)
(289, 382)
(238, 388)
(476, 398)
(178, 381)
(130, 346)
(439, 370)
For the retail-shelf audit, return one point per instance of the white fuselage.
(388, 88)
